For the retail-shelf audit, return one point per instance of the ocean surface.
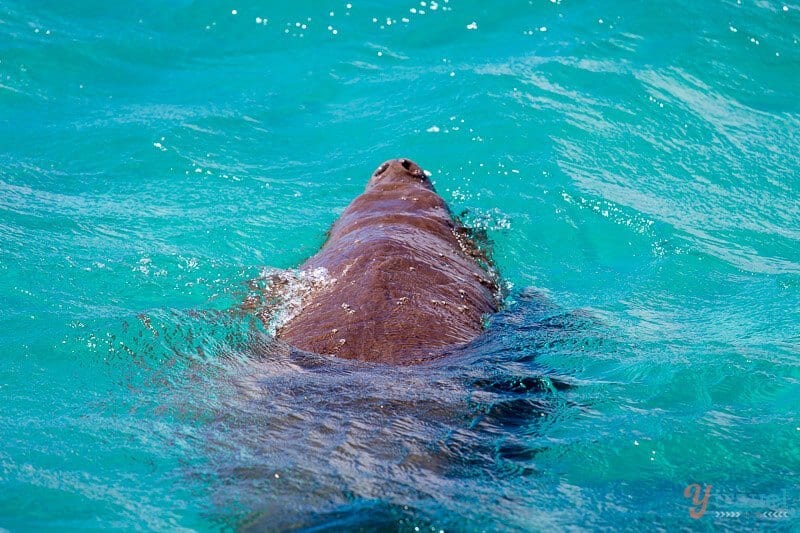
(636, 166)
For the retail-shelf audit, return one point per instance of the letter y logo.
(693, 491)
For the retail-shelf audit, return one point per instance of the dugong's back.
(404, 286)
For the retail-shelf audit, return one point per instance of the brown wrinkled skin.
(404, 287)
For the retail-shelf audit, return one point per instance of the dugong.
(406, 279)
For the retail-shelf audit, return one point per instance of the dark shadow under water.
(299, 441)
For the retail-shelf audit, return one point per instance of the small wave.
(279, 295)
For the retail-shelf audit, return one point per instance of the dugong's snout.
(399, 171)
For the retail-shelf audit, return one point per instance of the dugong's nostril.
(412, 168)
(381, 169)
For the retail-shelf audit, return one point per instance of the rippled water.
(635, 164)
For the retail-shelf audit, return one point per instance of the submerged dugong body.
(405, 277)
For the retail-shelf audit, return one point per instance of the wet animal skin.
(407, 283)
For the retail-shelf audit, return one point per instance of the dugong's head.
(398, 173)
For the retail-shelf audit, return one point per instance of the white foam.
(286, 292)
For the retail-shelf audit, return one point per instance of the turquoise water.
(635, 164)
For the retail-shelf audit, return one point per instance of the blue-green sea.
(636, 166)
